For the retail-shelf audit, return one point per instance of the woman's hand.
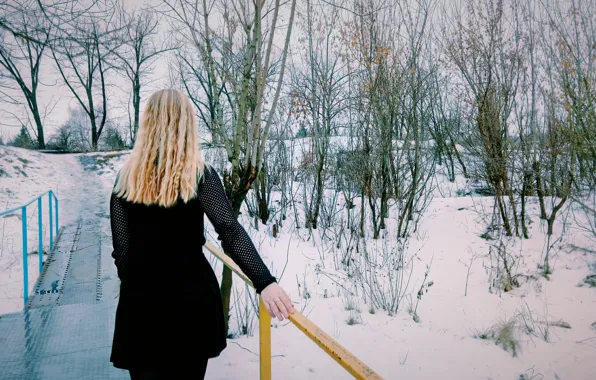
(277, 302)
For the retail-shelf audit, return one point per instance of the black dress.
(170, 309)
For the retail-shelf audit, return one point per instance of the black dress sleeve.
(234, 239)
(120, 234)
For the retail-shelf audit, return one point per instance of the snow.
(442, 344)
(24, 175)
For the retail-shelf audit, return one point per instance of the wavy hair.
(165, 164)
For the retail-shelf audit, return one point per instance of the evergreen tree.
(302, 132)
(23, 139)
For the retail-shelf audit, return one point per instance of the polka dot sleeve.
(120, 234)
(235, 241)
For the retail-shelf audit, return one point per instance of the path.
(65, 332)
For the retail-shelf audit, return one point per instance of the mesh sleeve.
(120, 234)
(234, 239)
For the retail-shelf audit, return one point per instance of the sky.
(57, 100)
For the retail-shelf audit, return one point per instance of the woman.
(170, 319)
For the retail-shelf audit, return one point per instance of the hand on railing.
(274, 295)
(277, 302)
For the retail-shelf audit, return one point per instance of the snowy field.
(460, 328)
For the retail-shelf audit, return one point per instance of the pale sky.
(54, 93)
(55, 96)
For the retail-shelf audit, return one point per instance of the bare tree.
(569, 156)
(138, 52)
(394, 110)
(225, 72)
(319, 94)
(74, 135)
(84, 55)
(448, 128)
(386, 160)
(525, 108)
(26, 29)
(20, 59)
(486, 52)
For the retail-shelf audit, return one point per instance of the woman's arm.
(234, 239)
(237, 243)
(120, 234)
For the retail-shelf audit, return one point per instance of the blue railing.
(53, 221)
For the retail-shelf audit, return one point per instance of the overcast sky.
(57, 98)
(54, 94)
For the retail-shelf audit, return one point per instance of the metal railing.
(340, 354)
(53, 227)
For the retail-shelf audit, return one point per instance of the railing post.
(25, 254)
(51, 221)
(264, 341)
(57, 224)
(40, 232)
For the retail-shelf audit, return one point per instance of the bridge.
(65, 329)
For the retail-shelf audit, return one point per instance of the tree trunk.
(553, 215)
(451, 166)
(136, 103)
(394, 174)
(226, 291)
(261, 190)
(320, 191)
(513, 206)
(384, 192)
(373, 216)
(539, 189)
(41, 144)
(94, 134)
(362, 209)
(503, 210)
(459, 159)
(401, 228)
(550, 221)
(525, 188)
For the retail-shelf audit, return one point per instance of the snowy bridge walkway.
(65, 330)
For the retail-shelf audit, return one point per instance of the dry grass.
(505, 337)
(507, 333)
(503, 334)
(350, 302)
(590, 281)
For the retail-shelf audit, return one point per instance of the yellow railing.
(341, 355)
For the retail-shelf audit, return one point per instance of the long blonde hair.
(165, 163)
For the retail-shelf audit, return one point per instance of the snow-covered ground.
(455, 335)
(24, 175)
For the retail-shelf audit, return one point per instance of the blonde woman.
(170, 319)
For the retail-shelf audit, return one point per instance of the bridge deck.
(59, 342)
(65, 332)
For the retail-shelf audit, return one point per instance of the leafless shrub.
(246, 311)
(469, 267)
(423, 290)
(502, 268)
(531, 374)
(384, 274)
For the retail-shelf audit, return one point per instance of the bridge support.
(264, 341)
